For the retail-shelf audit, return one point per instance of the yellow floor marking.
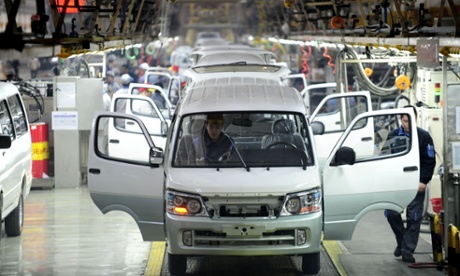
(157, 252)
(333, 250)
(155, 259)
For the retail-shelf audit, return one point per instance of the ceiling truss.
(100, 24)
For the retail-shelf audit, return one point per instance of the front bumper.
(244, 236)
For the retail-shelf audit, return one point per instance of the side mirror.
(5, 141)
(317, 127)
(344, 156)
(156, 156)
(164, 128)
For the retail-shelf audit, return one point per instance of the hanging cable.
(27, 89)
(364, 81)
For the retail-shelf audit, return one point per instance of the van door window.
(5, 120)
(385, 141)
(19, 119)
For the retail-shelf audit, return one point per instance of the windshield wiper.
(238, 153)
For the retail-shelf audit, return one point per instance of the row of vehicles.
(293, 176)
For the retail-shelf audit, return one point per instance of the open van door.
(314, 93)
(144, 108)
(387, 178)
(336, 111)
(170, 84)
(128, 183)
(161, 98)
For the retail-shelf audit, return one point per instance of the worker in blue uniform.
(407, 236)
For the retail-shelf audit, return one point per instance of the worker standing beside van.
(213, 145)
(407, 237)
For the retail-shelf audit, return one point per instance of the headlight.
(302, 203)
(184, 204)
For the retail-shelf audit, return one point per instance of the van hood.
(239, 182)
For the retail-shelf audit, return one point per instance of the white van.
(15, 159)
(265, 195)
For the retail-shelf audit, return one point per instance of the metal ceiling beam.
(94, 19)
(456, 17)
(381, 41)
(114, 18)
(128, 16)
(138, 15)
(11, 10)
(58, 27)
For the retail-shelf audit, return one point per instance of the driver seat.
(283, 131)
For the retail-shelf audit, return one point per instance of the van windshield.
(243, 139)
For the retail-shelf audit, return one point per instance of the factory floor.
(65, 234)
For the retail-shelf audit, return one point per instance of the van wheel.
(15, 220)
(177, 264)
(311, 263)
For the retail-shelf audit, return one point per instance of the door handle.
(365, 139)
(94, 171)
(410, 169)
(130, 123)
(114, 141)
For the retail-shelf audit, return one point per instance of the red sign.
(70, 6)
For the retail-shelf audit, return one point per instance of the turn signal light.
(180, 210)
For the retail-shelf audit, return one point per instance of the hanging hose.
(305, 56)
(134, 55)
(141, 55)
(158, 53)
(330, 59)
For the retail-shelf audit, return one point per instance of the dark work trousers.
(407, 237)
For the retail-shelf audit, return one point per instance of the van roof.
(241, 94)
(237, 69)
(7, 89)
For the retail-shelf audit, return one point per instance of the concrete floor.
(65, 234)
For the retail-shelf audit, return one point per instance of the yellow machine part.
(402, 82)
(288, 3)
(453, 250)
(368, 71)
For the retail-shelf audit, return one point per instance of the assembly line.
(253, 137)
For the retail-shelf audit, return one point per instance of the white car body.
(15, 159)
(348, 190)
(229, 54)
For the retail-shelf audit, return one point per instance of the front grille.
(252, 207)
(212, 239)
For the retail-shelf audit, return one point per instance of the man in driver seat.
(215, 144)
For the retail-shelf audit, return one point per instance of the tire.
(15, 220)
(177, 264)
(311, 263)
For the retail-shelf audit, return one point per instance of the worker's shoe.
(397, 251)
(408, 258)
